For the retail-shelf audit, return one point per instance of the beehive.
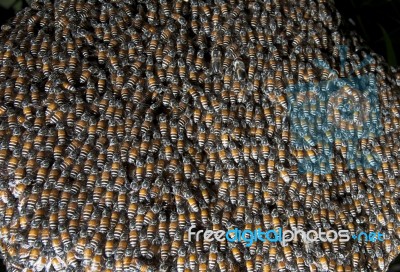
(123, 123)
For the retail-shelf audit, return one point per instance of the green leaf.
(390, 53)
(18, 5)
(7, 3)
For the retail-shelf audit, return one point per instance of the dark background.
(377, 21)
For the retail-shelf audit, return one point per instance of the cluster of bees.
(123, 123)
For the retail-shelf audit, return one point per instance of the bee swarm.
(123, 123)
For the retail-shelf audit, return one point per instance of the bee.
(147, 122)
(167, 31)
(181, 259)
(165, 248)
(176, 243)
(151, 214)
(237, 254)
(200, 62)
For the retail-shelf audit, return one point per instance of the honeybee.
(152, 125)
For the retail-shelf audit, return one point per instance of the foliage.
(377, 21)
(16, 5)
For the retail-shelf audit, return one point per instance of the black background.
(372, 19)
